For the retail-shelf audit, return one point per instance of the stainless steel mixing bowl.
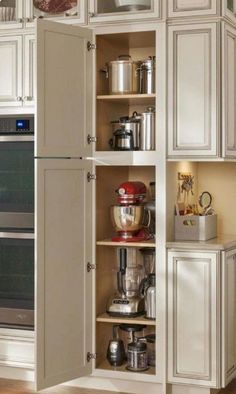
(128, 219)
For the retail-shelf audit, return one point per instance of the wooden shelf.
(105, 318)
(105, 365)
(144, 244)
(130, 99)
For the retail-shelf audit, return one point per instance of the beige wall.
(220, 180)
(217, 178)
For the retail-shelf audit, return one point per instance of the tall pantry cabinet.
(76, 178)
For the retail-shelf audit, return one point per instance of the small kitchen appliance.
(130, 215)
(116, 349)
(130, 333)
(127, 301)
(122, 139)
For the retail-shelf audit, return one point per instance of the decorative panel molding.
(192, 91)
(192, 318)
(180, 8)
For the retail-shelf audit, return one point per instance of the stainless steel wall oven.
(17, 221)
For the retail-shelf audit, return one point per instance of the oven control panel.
(16, 125)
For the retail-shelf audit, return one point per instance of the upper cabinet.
(201, 75)
(65, 11)
(183, 8)
(229, 91)
(123, 10)
(64, 90)
(229, 9)
(192, 90)
(11, 14)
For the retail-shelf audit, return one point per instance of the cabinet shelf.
(105, 318)
(108, 242)
(105, 365)
(130, 99)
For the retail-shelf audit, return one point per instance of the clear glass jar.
(137, 360)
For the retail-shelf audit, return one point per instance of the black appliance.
(17, 221)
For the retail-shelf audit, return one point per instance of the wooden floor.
(18, 387)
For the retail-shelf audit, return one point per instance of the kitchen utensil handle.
(115, 331)
(105, 70)
(123, 260)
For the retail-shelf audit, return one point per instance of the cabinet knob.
(92, 14)
(28, 98)
(19, 20)
(19, 98)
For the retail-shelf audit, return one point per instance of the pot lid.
(123, 132)
(137, 346)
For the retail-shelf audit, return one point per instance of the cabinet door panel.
(64, 90)
(228, 317)
(192, 91)
(10, 71)
(229, 90)
(192, 318)
(29, 70)
(63, 286)
(180, 8)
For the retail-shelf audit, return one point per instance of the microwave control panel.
(16, 125)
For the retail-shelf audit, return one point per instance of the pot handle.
(149, 218)
(105, 70)
(124, 57)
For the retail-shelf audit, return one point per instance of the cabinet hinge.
(91, 356)
(90, 46)
(91, 139)
(90, 267)
(91, 177)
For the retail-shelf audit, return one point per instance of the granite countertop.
(222, 242)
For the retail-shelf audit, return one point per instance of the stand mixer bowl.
(127, 220)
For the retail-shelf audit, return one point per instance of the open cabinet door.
(63, 285)
(64, 90)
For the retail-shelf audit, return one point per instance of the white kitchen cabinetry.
(101, 11)
(11, 14)
(29, 75)
(193, 318)
(11, 70)
(64, 118)
(184, 8)
(75, 14)
(229, 316)
(193, 90)
(17, 71)
(228, 91)
(64, 301)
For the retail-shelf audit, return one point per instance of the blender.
(127, 301)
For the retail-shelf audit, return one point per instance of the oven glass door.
(17, 279)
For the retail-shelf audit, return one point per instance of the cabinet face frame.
(210, 270)
(228, 290)
(208, 33)
(182, 8)
(94, 17)
(16, 43)
(228, 41)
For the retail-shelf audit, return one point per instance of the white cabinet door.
(123, 10)
(64, 90)
(11, 71)
(228, 317)
(29, 76)
(63, 286)
(193, 308)
(228, 91)
(182, 8)
(193, 90)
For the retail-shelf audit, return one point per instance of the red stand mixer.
(129, 217)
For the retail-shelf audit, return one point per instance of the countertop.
(222, 242)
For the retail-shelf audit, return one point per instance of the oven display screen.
(22, 124)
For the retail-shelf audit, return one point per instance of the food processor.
(127, 301)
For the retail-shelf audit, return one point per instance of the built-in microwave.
(17, 221)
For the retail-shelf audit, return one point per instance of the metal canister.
(137, 359)
(151, 298)
(148, 75)
(123, 75)
(147, 130)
